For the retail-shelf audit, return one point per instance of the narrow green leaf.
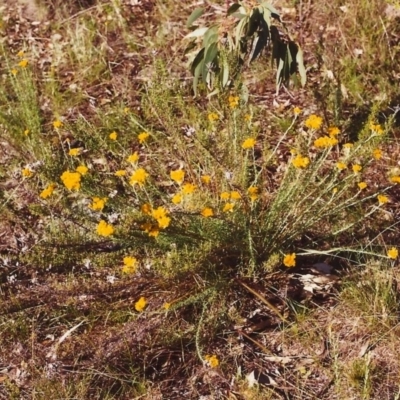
(225, 72)
(197, 13)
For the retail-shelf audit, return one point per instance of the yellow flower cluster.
(141, 304)
(248, 143)
(393, 253)
(133, 158)
(289, 260)
(98, 203)
(104, 229)
(313, 122)
(376, 128)
(213, 117)
(301, 162)
(71, 180)
(27, 172)
(233, 101)
(252, 191)
(212, 361)
(160, 214)
(325, 141)
(382, 199)
(395, 179)
(333, 131)
(130, 265)
(48, 191)
(142, 137)
(138, 177)
(113, 135)
(178, 175)
(207, 212)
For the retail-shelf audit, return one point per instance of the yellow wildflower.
(188, 188)
(247, 117)
(377, 154)
(27, 173)
(138, 177)
(82, 169)
(313, 122)
(376, 128)
(159, 212)
(296, 111)
(334, 190)
(104, 229)
(14, 71)
(178, 175)
(23, 63)
(120, 172)
(133, 157)
(57, 124)
(20, 54)
(177, 198)
(71, 180)
(27, 132)
(382, 199)
(362, 185)
(356, 168)
(167, 306)
(248, 143)
(212, 361)
(253, 192)
(206, 179)
(126, 110)
(301, 162)
(48, 191)
(213, 117)
(143, 137)
(164, 222)
(333, 131)
(113, 135)
(393, 253)
(74, 152)
(228, 207)
(235, 195)
(325, 141)
(207, 212)
(130, 265)
(233, 101)
(98, 203)
(395, 179)
(141, 304)
(225, 196)
(151, 230)
(146, 208)
(289, 260)
(341, 166)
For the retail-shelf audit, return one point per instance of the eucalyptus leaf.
(300, 66)
(197, 13)
(210, 36)
(233, 8)
(197, 33)
(199, 57)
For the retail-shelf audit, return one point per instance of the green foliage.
(243, 36)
